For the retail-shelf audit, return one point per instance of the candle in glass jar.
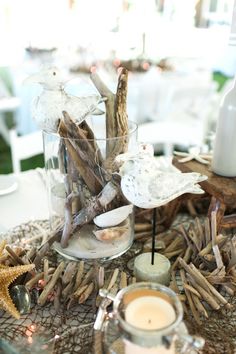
(158, 272)
(149, 313)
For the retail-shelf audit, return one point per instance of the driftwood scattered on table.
(205, 261)
(69, 283)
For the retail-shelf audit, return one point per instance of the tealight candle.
(159, 272)
(149, 313)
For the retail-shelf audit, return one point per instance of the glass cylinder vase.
(85, 199)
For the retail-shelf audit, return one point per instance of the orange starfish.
(7, 276)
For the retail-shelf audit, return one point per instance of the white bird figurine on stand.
(146, 186)
(47, 108)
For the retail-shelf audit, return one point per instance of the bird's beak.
(32, 79)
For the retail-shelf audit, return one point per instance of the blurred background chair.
(23, 147)
(186, 121)
(8, 103)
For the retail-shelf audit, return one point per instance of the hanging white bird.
(47, 108)
(146, 186)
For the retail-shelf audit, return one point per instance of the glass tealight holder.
(78, 171)
(147, 318)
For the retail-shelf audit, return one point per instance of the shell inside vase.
(113, 217)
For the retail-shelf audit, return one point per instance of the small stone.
(21, 297)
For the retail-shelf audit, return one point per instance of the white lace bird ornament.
(47, 108)
(145, 185)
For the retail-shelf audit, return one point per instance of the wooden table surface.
(222, 188)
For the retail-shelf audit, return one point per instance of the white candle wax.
(149, 313)
(158, 272)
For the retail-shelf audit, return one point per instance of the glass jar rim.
(133, 128)
(149, 334)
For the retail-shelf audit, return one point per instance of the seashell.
(21, 297)
(113, 217)
(111, 234)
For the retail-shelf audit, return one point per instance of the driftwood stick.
(41, 253)
(229, 289)
(109, 103)
(186, 237)
(219, 240)
(219, 208)
(141, 227)
(143, 236)
(219, 261)
(121, 118)
(45, 270)
(187, 255)
(79, 275)
(195, 239)
(174, 285)
(177, 243)
(228, 221)
(176, 262)
(80, 290)
(100, 277)
(213, 228)
(2, 245)
(192, 290)
(31, 253)
(116, 116)
(207, 232)
(209, 257)
(68, 289)
(87, 149)
(57, 295)
(87, 292)
(200, 231)
(113, 279)
(201, 309)
(123, 280)
(43, 250)
(201, 280)
(14, 255)
(88, 277)
(48, 288)
(205, 294)
(190, 299)
(67, 228)
(30, 283)
(177, 252)
(220, 279)
(89, 176)
(97, 204)
(34, 280)
(191, 209)
(69, 272)
(133, 280)
(207, 284)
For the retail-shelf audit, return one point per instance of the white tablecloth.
(28, 202)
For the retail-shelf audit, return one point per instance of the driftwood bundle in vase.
(88, 164)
